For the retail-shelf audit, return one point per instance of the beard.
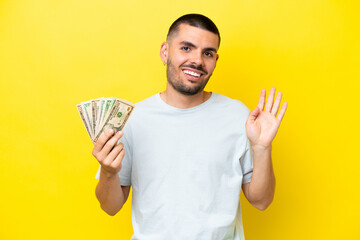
(177, 83)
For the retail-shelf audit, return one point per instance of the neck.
(179, 100)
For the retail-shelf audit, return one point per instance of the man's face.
(191, 56)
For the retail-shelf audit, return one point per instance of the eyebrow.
(186, 43)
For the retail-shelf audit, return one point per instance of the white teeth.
(192, 73)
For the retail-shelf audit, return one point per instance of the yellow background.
(55, 54)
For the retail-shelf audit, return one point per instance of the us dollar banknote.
(99, 115)
(82, 115)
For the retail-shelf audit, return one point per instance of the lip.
(193, 70)
(190, 77)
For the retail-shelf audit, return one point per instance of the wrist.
(107, 174)
(261, 148)
(261, 155)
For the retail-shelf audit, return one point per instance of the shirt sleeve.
(126, 164)
(246, 162)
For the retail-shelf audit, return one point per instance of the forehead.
(198, 36)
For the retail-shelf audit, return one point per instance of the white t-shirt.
(186, 168)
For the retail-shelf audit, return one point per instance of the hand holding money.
(99, 115)
(104, 118)
(108, 154)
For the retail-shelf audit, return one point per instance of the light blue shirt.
(186, 168)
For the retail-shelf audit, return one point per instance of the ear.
(217, 57)
(164, 52)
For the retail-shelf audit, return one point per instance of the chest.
(188, 146)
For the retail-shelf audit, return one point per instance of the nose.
(197, 58)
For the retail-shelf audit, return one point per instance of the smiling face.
(191, 55)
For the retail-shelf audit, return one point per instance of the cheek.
(180, 61)
(211, 66)
(179, 58)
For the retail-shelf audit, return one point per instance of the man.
(187, 152)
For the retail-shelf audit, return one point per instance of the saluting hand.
(262, 125)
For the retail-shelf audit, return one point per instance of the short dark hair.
(195, 20)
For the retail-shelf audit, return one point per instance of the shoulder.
(147, 105)
(148, 102)
(231, 104)
(145, 109)
(141, 112)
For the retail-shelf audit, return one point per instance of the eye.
(185, 48)
(208, 54)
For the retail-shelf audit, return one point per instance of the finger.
(113, 153)
(261, 103)
(118, 159)
(282, 111)
(254, 114)
(270, 100)
(111, 143)
(276, 106)
(102, 140)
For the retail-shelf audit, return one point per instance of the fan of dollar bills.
(101, 114)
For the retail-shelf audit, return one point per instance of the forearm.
(109, 193)
(262, 185)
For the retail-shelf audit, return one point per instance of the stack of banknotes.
(99, 115)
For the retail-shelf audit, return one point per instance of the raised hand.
(262, 125)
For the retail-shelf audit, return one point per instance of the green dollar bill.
(94, 111)
(99, 114)
(116, 118)
(109, 103)
(82, 116)
(88, 115)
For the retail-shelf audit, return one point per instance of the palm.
(262, 124)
